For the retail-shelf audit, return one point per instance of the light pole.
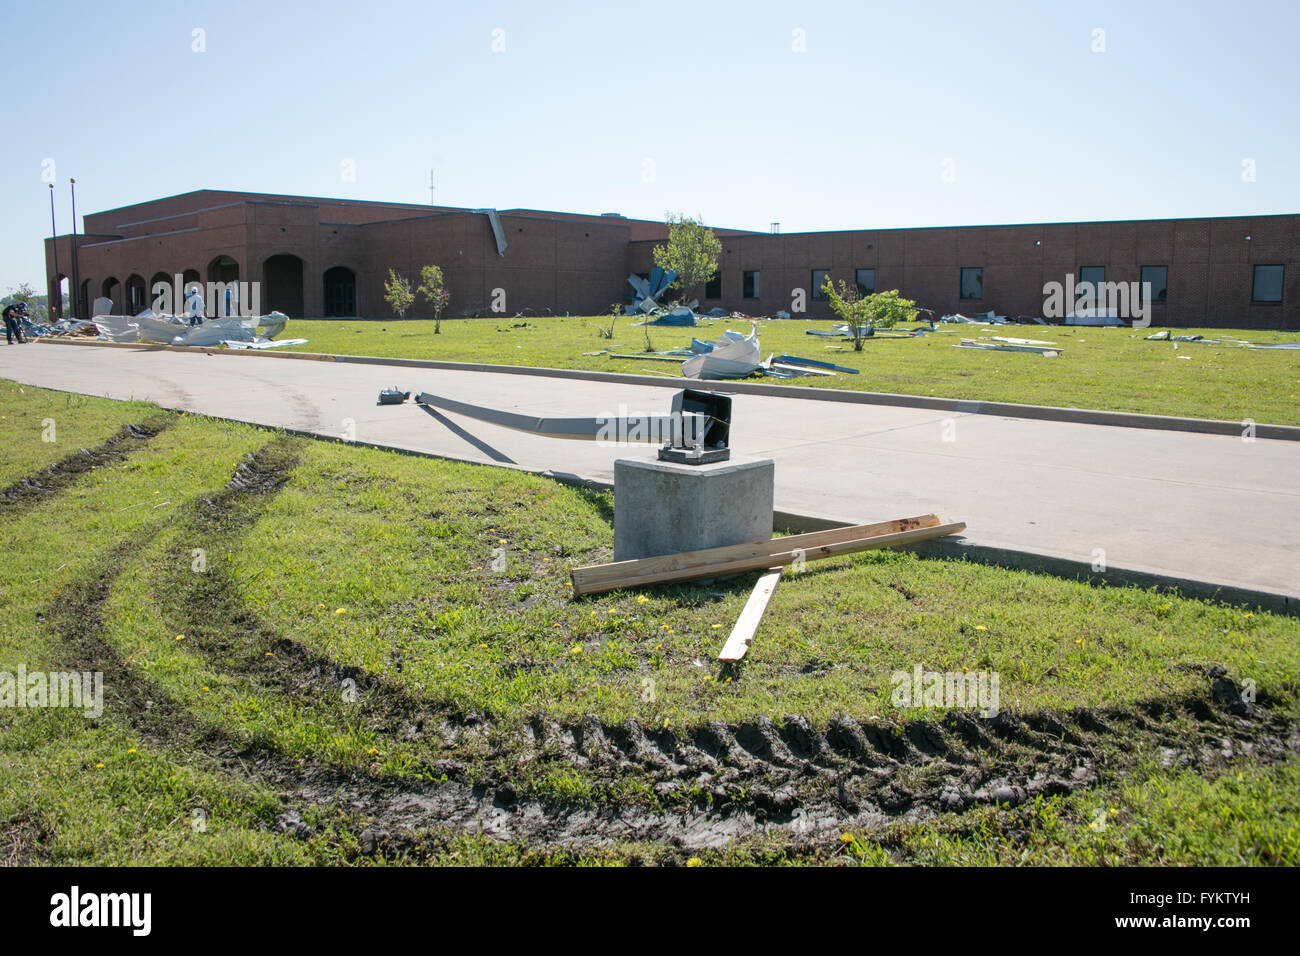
(58, 283)
(76, 284)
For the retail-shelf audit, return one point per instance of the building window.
(866, 280)
(1158, 277)
(1092, 276)
(713, 288)
(972, 283)
(1268, 284)
(819, 277)
(749, 285)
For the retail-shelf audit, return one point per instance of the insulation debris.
(232, 331)
(733, 356)
(1003, 347)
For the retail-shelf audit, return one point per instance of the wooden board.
(743, 633)
(628, 574)
(596, 574)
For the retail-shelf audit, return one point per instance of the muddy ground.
(703, 785)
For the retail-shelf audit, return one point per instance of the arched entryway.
(167, 280)
(137, 295)
(83, 300)
(340, 292)
(223, 269)
(110, 288)
(282, 285)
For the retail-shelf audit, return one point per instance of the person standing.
(14, 315)
(194, 306)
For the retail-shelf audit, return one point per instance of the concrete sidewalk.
(1179, 505)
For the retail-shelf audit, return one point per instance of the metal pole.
(76, 277)
(58, 283)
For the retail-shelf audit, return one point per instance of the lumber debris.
(758, 555)
(747, 624)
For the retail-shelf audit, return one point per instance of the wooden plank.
(633, 574)
(596, 573)
(743, 633)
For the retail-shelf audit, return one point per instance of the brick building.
(330, 257)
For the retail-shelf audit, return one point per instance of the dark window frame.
(1164, 297)
(1254, 281)
(817, 292)
(748, 289)
(713, 286)
(858, 284)
(961, 284)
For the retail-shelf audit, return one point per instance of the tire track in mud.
(30, 490)
(712, 783)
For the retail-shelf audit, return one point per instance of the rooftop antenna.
(430, 186)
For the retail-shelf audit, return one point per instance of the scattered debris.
(733, 356)
(747, 624)
(648, 291)
(813, 363)
(232, 331)
(1001, 347)
(679, 316)
(758, 555)
(1012, 341)
(1091, 317)
(393, 396)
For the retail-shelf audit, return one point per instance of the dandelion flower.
(693, 861)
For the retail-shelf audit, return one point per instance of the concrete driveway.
(1202, 507)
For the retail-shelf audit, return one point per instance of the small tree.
(434, 290)
(614, 311)
(862, 315)
(398, 294)
(692, 252)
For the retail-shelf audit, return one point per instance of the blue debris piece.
(812, 363)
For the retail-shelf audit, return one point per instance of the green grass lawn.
(1112, 369)
(340, 634)
(42, 427)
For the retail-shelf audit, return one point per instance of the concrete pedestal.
(662, 507)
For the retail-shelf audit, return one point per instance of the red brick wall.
(558, 262)
(1210, 266)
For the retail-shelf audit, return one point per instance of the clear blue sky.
(741, 129)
